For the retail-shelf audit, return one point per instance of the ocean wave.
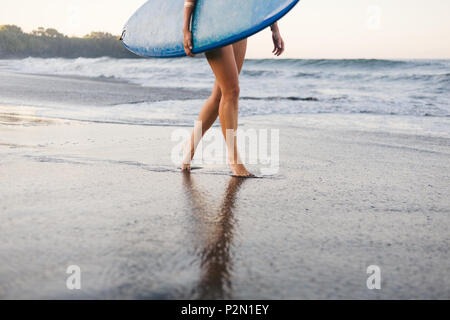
(280, 98)
(197, 73)
(424, 77)
(276, 73)
(444, 78)
(307, 75)
(256, 73)
(351, 63)
(146, 72)
(344, 63)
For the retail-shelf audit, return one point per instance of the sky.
(381, 29)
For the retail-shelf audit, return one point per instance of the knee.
(231, 93)
(216, 96)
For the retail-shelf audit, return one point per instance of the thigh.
(223, 64)
(240, 49)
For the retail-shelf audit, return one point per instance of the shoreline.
(430, 126)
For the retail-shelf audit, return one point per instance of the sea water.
(418, 88)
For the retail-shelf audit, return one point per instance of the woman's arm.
(274, 27)
(278, 41)
(189, 7)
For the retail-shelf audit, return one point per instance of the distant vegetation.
(49, 43)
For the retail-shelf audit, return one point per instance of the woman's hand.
(278, 41)
(187, 43)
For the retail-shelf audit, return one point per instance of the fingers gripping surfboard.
(155, 30)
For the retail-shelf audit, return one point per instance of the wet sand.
(46, 90)
(106, 197)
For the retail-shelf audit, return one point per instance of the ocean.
(417, 88)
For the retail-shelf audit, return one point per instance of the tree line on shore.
(49, 43)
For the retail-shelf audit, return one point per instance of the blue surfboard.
(155, 30)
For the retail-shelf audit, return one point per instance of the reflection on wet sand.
(23, 119)
(217, 237)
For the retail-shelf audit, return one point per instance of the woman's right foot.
(240, 171)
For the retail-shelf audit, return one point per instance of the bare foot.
(240, 171)
(188, 155)
(185, 167)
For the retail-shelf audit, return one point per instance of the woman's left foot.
(185, 167)
(188, 155)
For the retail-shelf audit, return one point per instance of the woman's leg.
(225, 67)
(210, 111)
(208, 115)
(240, 50)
